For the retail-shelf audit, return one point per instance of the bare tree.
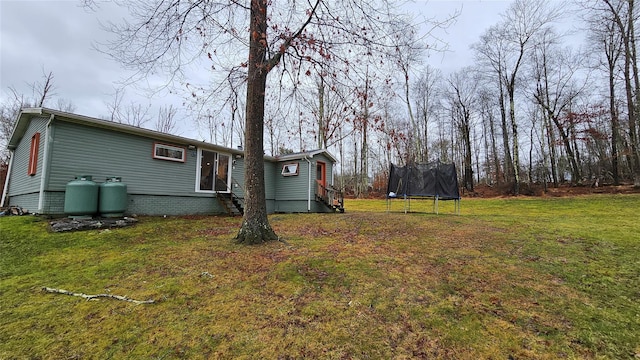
(408, 53)
(65, 105)
(170, 35)
(115, 105)
(8, 114)
(608, 42)
(491, 53)
(363, 121)
(41, 92)
(331, 104)
(166, 121)
(524, 20)
(623, 14)
(556, 72)
(133, 114)
(486, 104)
(425, 92)
(461, 100)
(221, 116)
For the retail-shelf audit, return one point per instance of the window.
(214, 172)
(33, 154)
(321, 173)
(290, 169)
(169, 152)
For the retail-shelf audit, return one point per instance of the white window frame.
(199, 171)
(288, 166)
(158, 145)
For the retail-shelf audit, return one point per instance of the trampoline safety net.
(434, 179)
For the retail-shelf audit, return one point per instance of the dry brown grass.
(505, 279)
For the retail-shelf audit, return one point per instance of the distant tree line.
(533, 107)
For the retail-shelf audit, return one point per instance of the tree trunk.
(615, 125)
(487, 154)
(468, 166)
(494, 151)
(416, 145)
(364, 151)
(356, 173)
(425, 148)
(531, 145)
(508, 163)
(547, 115)
(553, 153)
(567, 147)
(545, 155)
(514, 129)
(630, 107)
(477, 152)
(576, 153)
(255, 224)
(364, 163)
(322, 138)
(511, 88)
(633, 122)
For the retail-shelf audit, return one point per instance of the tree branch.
(275, 59)
(91, 297)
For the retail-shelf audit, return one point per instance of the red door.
(321, 178)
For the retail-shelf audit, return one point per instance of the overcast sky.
(57, 36)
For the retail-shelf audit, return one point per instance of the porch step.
(336, 206)
(230, 203)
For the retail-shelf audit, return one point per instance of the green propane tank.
(81, 197)
(113, 197)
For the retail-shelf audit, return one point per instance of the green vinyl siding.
(300, 206)
(237, 178)
(75, 146)
(293, 191)
(297, 187)
(20, 183)
(294, 187)
(270, 170)
(101, 153)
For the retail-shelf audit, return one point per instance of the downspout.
(5, 190)
(45, 164)
(309, 190)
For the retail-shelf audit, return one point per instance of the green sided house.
(164, 174)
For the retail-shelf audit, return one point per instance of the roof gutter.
(309, 183)
(45, 164)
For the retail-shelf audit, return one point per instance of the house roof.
(305, 154)
(27, 114)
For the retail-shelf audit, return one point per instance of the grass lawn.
(517, 278)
